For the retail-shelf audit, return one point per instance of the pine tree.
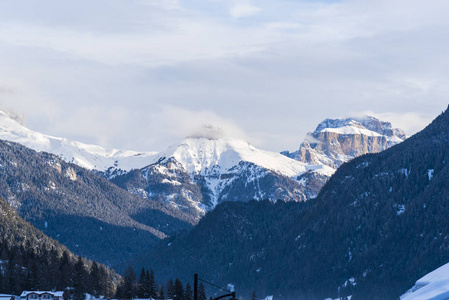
(161, 292)
(79, 276)
(152, 288)
(170, 289)
(65, 271)
(253, 296)
(201, 292)
(179, 290)
(188, 293)
(129, 286)
(142, 287)
(94, 280)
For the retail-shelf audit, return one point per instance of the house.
(8, 297)
(41, 295)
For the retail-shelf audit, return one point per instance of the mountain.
(378, 224)
(205, 170)
(109, 162)
(434, 285)
(208, 168)
(30, 260)
(336, 141)
(89, 214)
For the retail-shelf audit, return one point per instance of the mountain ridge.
(358, 237)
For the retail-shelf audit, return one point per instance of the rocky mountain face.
(336, 141)
(378, 225)
(89, 214)
(201, 172)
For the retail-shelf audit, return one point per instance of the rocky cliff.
(336, 141)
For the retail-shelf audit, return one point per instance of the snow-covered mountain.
(208, 168)
(336, 141)
(91, 157)
(205, 170)
(434, 285)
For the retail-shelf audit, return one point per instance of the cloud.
(242, 9)
(410, 122)
(181, 122)
(271, 71)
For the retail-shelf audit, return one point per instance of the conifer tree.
(253, 296)
(188, 293)
(201, 292)
(152, 288)
(94, 280)
(142, 287)
(80, 275)
(129, 286)
(170, 289)
(161, 292)
(179, 290)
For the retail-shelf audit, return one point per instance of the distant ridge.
(377, 225)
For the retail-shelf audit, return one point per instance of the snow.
(84, 155)
(351, 130)
(208, 156)
(400, 209)
(434, 285)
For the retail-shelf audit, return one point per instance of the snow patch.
(434, 285)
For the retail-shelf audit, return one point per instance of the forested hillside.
(32, 261)
(378, 225)
(90, 215)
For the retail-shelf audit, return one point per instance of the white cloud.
(275, 69)
(410, 122)
(180, 122)
(241, 9)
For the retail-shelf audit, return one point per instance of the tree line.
(25, 269)
(145, 286)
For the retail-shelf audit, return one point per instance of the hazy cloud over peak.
(141, 74)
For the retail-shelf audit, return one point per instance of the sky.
(143, 74)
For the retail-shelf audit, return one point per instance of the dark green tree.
(95, 280)
(152, 288)
(253, 296)
(179, 290)
(201, 292)
(143, 285)
(188, 293)
(79, 280)
(170, 289)
(129, 286)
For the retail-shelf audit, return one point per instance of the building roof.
(56, 294)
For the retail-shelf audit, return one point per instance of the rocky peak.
(336, 141)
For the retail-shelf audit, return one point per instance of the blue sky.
(143, 74)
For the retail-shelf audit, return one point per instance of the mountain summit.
(201, 172)
(336, 141)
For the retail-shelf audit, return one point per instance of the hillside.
(88, 214)
(30, 260)
(377, 225)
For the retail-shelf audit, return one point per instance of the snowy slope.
(434, 285)
(87, 156)
(205, 170)
(203, 156)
